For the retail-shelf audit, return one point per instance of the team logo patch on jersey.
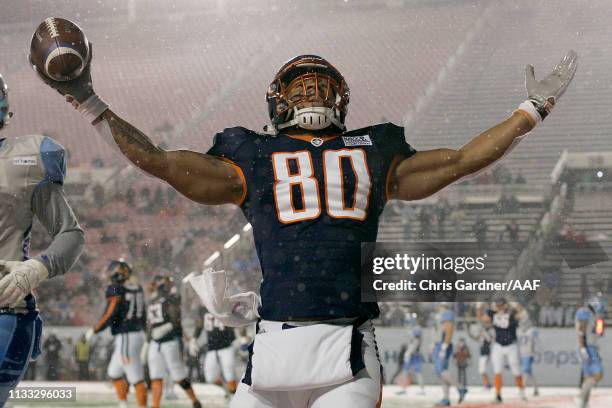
(357, 140)
(24, 161)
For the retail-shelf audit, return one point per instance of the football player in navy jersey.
(505, 350)
(32, 173)
(313, 192)
(163, 351)
(125, 315)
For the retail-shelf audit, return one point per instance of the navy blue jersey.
(162, 310)
(125, 309)
(505, 325)
(311, 202)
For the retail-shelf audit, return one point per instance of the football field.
(98, 394)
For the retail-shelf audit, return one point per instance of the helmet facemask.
(308, 93)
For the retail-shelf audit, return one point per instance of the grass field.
(97, 394)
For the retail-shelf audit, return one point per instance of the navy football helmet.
(120, 271)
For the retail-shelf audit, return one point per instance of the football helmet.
(307, 92)
(162, 285)
(119, 270)
(5, 113)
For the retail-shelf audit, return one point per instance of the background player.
(220, 359)
(32, 173)
(444, 325)
(484, 337)
(527, 338)
(314, 192)
(165, 334)
(505, 348)
(413, 358)
(125, 315)
(588, 348)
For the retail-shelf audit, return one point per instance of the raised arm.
(200, 177)
(427, 172)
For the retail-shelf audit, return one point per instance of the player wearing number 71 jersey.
(125, 315)
(313, 192)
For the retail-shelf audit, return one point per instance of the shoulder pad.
(53, 157)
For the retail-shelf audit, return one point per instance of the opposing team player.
(220, 360)
(32, 172)
(505, 348)
(165, 335)
(484, 337)
(313, 191)
(413, 358)
(527, 338)
(125, 315)
(588, 348)
(444, 325)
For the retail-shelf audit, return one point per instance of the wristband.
(528, 110)
(93, 107)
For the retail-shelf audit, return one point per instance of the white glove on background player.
(89, 335)
(20, 278)
(543, 95)
(584, 354)
(79, 91)
(193, 347)
(442, 353)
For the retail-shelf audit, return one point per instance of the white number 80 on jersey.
(304, 177)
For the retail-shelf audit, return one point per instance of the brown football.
(59, 49)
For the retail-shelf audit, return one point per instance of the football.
(59, 49)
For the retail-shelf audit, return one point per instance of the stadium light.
(247, 228)
(231, 241)
(212, 258)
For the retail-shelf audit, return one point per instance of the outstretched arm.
(200, 177)
(427, 172)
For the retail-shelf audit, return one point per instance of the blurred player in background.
(527, 339)
(220, 359)
(313, 192)
(588, 348)
(125, 315)
(163, 350)
(505, 350)
(444, 325)
(484, 336)
(32, 173)
(413, 358)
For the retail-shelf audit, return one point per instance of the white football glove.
(543, 95)
(584, 354)
(193, 347)
(442, 353)
(89, 335)
(20, 278)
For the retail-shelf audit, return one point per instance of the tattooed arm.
(199, 177)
